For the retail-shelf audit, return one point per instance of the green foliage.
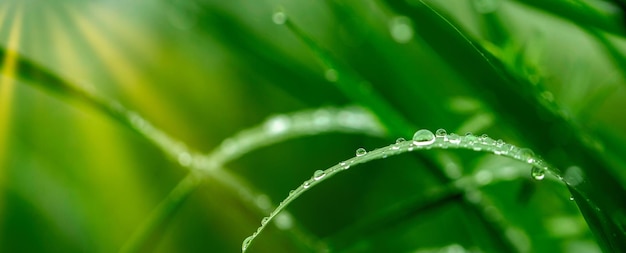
(139, 126)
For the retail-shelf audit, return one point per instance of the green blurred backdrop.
(73, 179)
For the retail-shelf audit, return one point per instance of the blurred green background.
(73, 179)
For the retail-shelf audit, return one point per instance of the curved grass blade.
(518, 104)
(423, 139)
(275, 129)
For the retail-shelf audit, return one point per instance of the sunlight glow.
(122, 70)
(7, 74)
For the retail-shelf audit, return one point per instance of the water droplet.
(306, 184)
(423, 137)
(361, 152)
(499, 143)
(526, 155)
(291, 192)
(506, 148)
(319, 174)
(400, 140)
(470, 138)
(441, 132)
(246, 243)
(537, 173)
(279, 18)
(571, 197)
(401, 29)
(485, 139)
(454, 138)
(331, 75)
(264, 221)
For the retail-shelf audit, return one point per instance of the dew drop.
(319, 174)
(470, 138)
(291, 192)
(485, 139)
(499, 143)
(264, 221)
(423, 137)
(361, 152)
(279, 18)
(454, 138)
(401, 29)
(246, 243)
(400, 140)
(571, 198)
(527, 155)
(441, 132)
(537, 173)
(306, 184)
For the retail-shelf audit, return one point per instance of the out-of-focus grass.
(73, 179)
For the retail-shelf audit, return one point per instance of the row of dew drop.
(422, 139)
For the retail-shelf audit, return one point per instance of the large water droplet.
(441, 132)
(401, 29)
(361, 152)
(537, 173)
(423, 137)
(246, 243)
(319, 174)
(279, 18)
